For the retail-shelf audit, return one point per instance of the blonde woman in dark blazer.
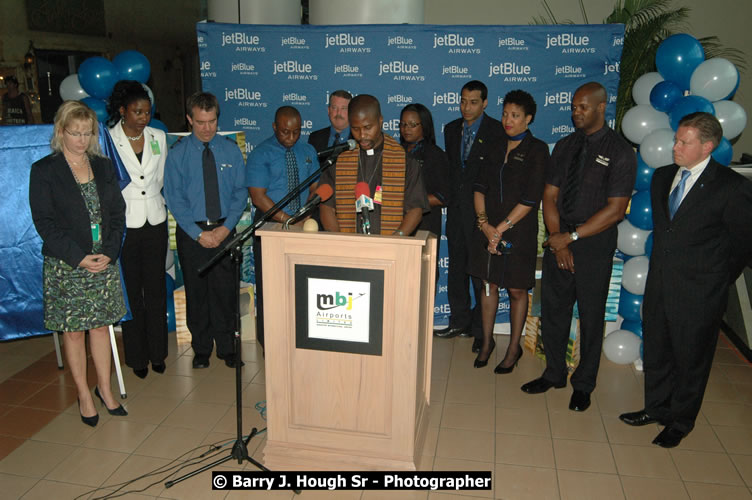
(79, 213)
(143, 151)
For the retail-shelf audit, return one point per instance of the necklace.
(88, 169)
(139, 136)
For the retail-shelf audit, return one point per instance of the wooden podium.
(334, 403)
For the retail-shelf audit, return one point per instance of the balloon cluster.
(97, 76)
(685, 83)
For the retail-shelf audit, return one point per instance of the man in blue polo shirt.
(276, 167)
(204, 187)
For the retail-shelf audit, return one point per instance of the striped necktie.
(292, 179)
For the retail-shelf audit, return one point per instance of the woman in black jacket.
(79, 213)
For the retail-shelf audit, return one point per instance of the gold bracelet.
(509, 223)
(482, 219)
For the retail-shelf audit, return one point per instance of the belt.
(210, 223)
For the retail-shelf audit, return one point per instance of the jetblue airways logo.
(399, 99)
(512, 72)
(450, 98)
(295, 70)
(401, 70)
(347, 70)
(610, 68)
(512, 43)
(294, 42)
(570, 43)
(455, 71)
(569, 71)
(400, 42)
(245, 97)
(244, 68)
(295, 98)
(458, 44)
(206, 70)
(563, 99)
(243, 42)
(347, 43)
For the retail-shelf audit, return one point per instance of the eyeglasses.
(409, 124)
(77, 135)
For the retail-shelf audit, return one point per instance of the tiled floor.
(535, 447)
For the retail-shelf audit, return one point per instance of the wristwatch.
(574, 236)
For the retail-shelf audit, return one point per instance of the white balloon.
(714, 79)
(641, 120)
(656, 149)
(151, 94)
(631, 240)
(732, 116)
(71, 90)
(635, 274)
(622, 347)
(643, 85)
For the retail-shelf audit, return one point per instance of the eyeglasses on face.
(77, 135)
(409, 124)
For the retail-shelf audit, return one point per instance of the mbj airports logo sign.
(338, 310)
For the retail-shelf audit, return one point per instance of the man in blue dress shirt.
(275, 167)
(339, 131)
(204, 188)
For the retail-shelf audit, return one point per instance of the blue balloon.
(98, 106)
(723, 153)
(649, 245)
(629, 305)
(687, 105)
(132, 65)
(632, 326)
(618, 254)
(158, 124)
(97, 77)
(664, 95)
(641, 211)
(736, 87)
(644, 175)
(677, 57)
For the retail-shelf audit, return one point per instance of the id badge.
(95, 236)
(377, 195)
(154, 147)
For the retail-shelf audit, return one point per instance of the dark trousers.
(259, 291)
(678, 351)
(209, 298)
(458, 231)
(143, 260)
(588, 285)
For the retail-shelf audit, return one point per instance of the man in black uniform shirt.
(467, 142)
(587, 192)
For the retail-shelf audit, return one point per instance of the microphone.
(364, 204)
(338, 148)
(323, 193)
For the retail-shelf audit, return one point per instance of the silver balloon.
(656, 149)
(635, 274)
(631, 240)
(732, 116)
(151, 95)
(641, 120)
(71, 90)
(643, 85)
(622, 347)
(714, 79)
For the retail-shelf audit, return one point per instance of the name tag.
(95, 235)
(603, 160)
(377, 195)
(155, 148)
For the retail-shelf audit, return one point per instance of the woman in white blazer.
(143, 151)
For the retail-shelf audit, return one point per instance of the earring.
(122, 119)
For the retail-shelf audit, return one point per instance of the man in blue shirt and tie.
(276, 167)
(339, 131)
(204, 188)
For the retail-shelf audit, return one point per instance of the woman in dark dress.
(507, 197)
(79, 213)
(418, 138)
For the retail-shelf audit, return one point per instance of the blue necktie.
(675, 198)
(292, 179)
(336, 139)
(211, 184)
(467, 142)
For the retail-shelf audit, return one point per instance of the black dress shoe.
(477, 344)
(200, 362)
(580, 401)
(669, 437)
(90, 421)
(158, 367)
(141, 372)
(448, 333)
(639, 418)
(480, 363)
(502, 370)
(118, 412)
(231, 359)
(439, 331)
(540, 385)
(466, 333)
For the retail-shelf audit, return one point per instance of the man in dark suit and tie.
(339, 131)
(468, 142)
(702, 239)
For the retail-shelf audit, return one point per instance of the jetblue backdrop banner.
(254, 69)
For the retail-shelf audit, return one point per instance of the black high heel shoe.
(501, 370)
(480, 363)
(90, 421)
(118, 412)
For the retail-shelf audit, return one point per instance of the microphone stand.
(234, 249)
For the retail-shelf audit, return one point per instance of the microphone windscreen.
(352, 144)
(362, 189)
(325, 192)
(310, 226)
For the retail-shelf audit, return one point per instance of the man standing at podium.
(276, 167)
(394, 181)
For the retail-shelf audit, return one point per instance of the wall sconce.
(29, 57)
